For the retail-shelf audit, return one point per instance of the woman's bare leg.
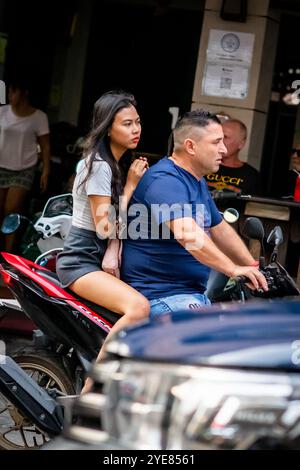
(112, 293)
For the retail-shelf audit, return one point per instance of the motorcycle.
(71, 330)
(43, 240)
(16, 328)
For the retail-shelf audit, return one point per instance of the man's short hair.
(196, 118)
(199, 118)
(243, 127)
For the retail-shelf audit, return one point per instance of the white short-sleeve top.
(18, 138)
(98, 184)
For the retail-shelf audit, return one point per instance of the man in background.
(289, 182)
(288, 189)
(234, 175)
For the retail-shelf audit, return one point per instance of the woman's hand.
(137, 169)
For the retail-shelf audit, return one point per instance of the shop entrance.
(149, 51)
(281, 130)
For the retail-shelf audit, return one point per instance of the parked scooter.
(49, 229)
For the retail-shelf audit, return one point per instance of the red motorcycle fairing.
(61, 315)
(29, 267)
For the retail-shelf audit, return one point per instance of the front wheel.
(16, 431)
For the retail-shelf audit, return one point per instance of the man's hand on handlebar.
(256, 277)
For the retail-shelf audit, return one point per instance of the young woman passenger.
(99, 182)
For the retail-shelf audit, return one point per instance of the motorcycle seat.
(50, 276)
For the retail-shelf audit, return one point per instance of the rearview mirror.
(10, 223)
(253, 229)
(276, 236)
(231, 215)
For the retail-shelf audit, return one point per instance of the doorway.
(149, 51)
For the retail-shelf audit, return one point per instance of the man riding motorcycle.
(172, 273)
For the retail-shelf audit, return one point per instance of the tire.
(18, 432)
(51, 366)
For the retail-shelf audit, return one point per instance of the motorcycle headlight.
(173, 406)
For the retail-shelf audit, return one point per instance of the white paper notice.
(228, 60)
(225, 80)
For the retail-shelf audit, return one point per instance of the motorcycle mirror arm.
(274, 254)
(262, 262)
(23, 217)
(221, 194)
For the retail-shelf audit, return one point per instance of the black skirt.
(82, 254)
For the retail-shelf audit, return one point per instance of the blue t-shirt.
(153, 262)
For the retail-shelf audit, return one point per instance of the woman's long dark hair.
(97, 143)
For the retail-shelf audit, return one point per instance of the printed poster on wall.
(228, 62)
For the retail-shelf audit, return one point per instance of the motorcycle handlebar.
(271, 275)
(242, 279)
(228, 195)
(265, 272)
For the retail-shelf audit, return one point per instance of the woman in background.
(22, 129)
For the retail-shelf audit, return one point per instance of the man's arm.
(199, 245)
(231, 244)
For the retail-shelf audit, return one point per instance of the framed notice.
(228, 62)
